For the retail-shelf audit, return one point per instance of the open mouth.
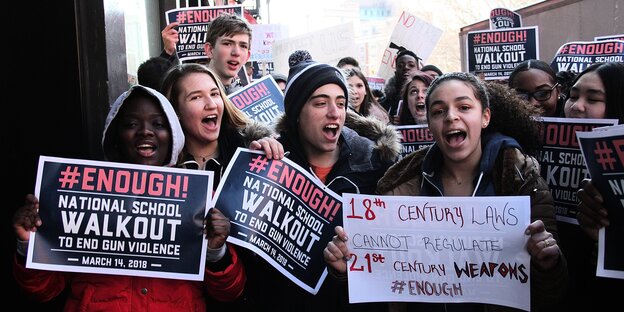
(146, 149)
(210, 120)
(233, 64)
(455, 137)
(331, 130)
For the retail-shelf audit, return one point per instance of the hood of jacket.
(255, 130)
(176, 129)
(427, 162)
(390, 89)
(386, 139)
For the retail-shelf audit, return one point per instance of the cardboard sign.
(414, 137)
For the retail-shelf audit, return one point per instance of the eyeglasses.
(539, 95)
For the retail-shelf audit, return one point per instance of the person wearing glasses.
(536, 83)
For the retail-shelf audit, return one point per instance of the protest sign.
(410, 33)
(282, 213)
(578, 55)
(413, 138)
(376, 83)
(328, 46)
(611, 37)
(124, 219)
(194, 23)
(495, 53)
(562, 163)
(262, 100)
(603, 150)
(501, 18)
(264, 35)
(438, 249)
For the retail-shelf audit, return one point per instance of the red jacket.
(99, 292)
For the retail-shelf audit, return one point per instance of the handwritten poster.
(438, 249)
(327, 46)
(411, 33)
(114, 218)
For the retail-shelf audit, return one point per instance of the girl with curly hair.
(482, 132)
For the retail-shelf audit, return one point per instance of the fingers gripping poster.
(281, 212)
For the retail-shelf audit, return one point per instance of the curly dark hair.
(513, 117)
(510, 115)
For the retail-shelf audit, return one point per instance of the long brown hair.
(232, 116)
(233, 120)
(369, 99)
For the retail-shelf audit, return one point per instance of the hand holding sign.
(591, 215)
(336, 254)
(217, 228)
(170, 37)
(542, 246)
(26, 218)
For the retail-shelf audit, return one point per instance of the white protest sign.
(328, 45)
(412, 34)
(438, 249)
(264, 35)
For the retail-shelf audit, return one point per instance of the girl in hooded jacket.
(141, 128)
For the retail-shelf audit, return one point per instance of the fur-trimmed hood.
(386, 139)
(255, 130)
(390, 89)
(365, 153)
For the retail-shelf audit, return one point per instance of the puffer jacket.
(367, 148)
(223, 280)
(112, 293)
(504, 171)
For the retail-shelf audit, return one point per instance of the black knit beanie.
(304, 77)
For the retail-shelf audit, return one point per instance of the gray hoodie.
(176, 129)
